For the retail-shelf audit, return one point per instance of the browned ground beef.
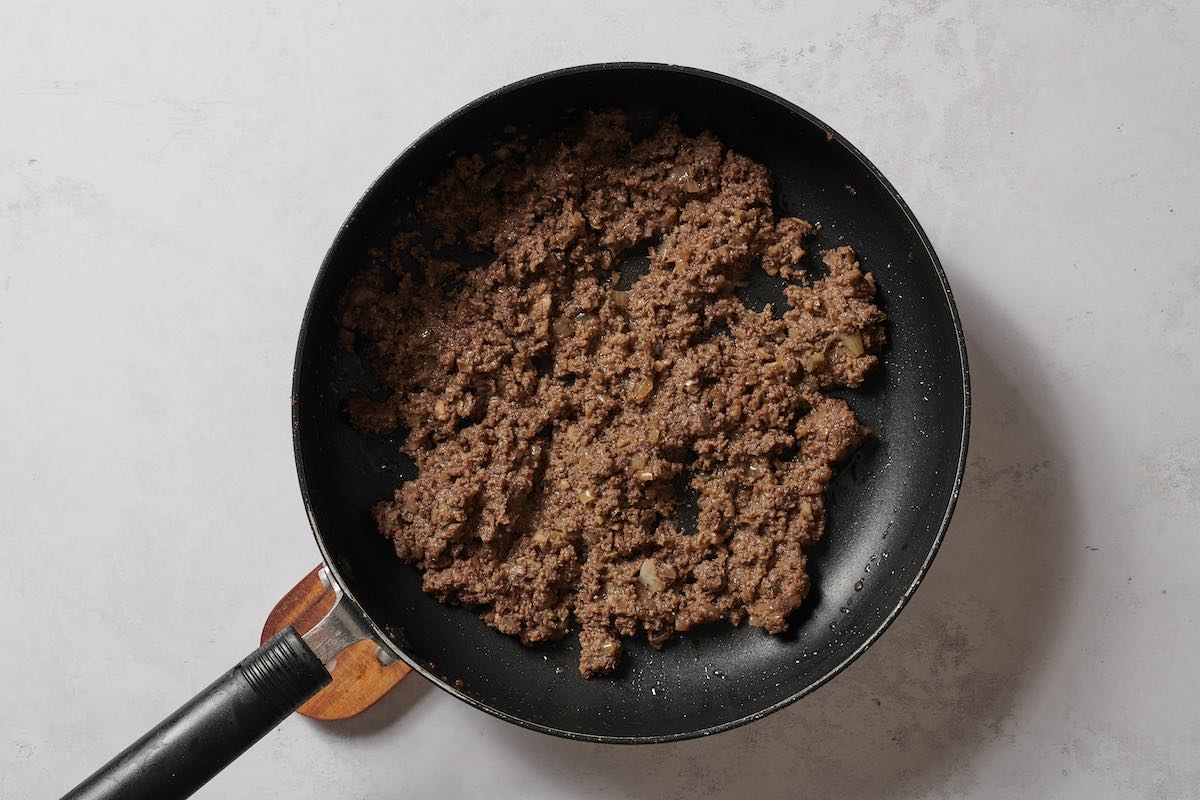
(554, 418)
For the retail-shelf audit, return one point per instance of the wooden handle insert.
(359, 679)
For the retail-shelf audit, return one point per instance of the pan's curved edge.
(943, 527)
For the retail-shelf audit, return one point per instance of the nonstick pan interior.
(888, 508)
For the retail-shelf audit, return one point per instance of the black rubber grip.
(213, 728)
(282, 671)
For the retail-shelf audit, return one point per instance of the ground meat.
(559, 422)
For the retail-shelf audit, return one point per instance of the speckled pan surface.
(889, 508)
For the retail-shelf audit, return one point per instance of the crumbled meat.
(552, 416)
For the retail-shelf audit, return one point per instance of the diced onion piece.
(638, 462)
(610, 649)
(586, 496)
(813, 361)
(562, 326)
(620, 299)
(854, 344)
(648, 576)
(645, 476)
(642, 390)
(361, 295)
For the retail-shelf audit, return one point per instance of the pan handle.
(213, 728)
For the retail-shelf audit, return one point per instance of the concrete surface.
(171, 173)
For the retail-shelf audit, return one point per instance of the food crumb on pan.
(555, 416)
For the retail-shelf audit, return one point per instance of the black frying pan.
(888, 509)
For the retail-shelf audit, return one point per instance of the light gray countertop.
(171, 174)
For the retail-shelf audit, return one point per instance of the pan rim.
(955, 489)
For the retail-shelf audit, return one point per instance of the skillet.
(889, 508)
